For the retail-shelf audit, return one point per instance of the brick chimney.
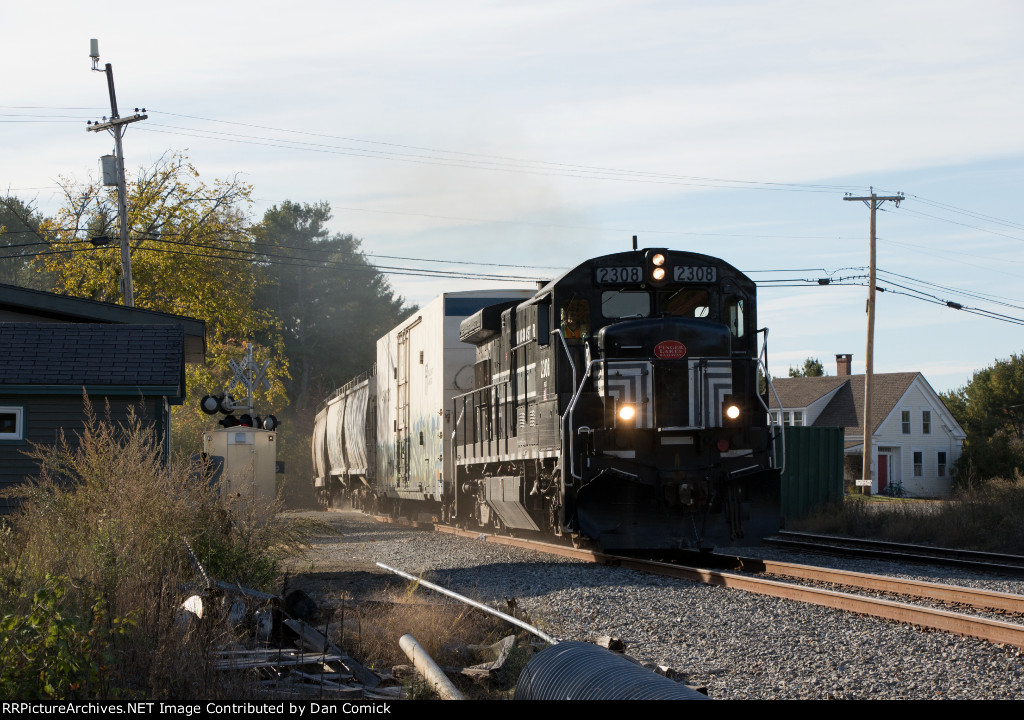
(844, 363)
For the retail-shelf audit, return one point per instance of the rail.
(360, 378)
(988, 629)
(568, 413)
(489, 421)
(762, 363)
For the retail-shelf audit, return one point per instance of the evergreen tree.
(812, 367)
(990, 408)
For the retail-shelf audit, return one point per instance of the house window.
(905, 417)
(798, 418)
(785, 419)
(926, 422)
(942, 463)
(918, 463)
(12, 423)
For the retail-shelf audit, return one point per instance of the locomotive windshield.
(684, 302)
(616, 304)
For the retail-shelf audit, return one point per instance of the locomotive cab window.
(735, 316)
(617, 304)
(543, 322)
(575, 320)
(684, 302)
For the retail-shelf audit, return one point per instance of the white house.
(915, 440)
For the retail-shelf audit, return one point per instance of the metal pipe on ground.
(581, 671)
(480, 606)
(429, 669)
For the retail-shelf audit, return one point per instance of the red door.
(883, 472)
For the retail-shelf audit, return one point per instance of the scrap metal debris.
(278, 642)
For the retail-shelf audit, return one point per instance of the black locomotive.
(619, 404)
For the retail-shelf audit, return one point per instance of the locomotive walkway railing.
(484, 422)
(762, 363)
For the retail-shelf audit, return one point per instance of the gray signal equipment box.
(250, 460)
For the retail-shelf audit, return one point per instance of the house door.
(883, 472)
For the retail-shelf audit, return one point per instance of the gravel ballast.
(737, 644)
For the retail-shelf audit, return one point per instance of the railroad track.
(925, 616)
(1012, 565)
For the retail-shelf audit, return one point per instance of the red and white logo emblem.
(669, 350)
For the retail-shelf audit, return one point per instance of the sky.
(521, 138)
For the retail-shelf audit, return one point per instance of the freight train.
(618, 405)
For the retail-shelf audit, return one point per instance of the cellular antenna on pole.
(873, 202)
(116, 125)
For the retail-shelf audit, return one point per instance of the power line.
(475, 157)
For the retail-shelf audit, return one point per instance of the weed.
(93, 562)
(988, 516)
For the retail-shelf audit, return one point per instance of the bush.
(47, 654)
(93, 563)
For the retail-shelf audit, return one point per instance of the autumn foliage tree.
(192, 254)
(20, 240)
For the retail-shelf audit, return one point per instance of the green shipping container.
(813, 472)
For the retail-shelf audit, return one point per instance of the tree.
(192, 255)
(332, 304)
(20, 240)
(990, 408)
(812, 367)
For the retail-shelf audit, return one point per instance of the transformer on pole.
(116, 125)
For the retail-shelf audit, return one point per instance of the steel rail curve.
(997, 631)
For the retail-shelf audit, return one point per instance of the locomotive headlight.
(733, 411)
(656, 267)
(626, 412)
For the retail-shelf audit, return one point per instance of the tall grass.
(988, 516)
(94, 563)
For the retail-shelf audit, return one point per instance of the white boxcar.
(421, 365)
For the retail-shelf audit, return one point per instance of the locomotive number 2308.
(607, 275)
(694, 273)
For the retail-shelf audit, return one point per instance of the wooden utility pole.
(116, 125)
(873, 202)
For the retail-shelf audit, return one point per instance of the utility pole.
(116, 125)
(873, 202)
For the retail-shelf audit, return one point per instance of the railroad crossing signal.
(250, 376)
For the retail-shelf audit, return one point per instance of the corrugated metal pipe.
(581, 671)
(429, 669)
